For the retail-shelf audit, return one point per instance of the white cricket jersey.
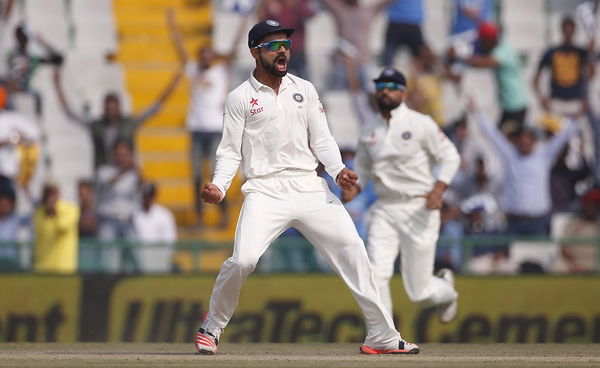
(208, 91)
(271, 133)
(400, 158)
(157, 225)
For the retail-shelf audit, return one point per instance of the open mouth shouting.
(281, 64)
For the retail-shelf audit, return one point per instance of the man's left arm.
(321, 141)
(555, 145)
(445, 155)
(483, 61)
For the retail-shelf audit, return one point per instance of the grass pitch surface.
(295, 355)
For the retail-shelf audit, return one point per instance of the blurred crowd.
(524, 176)
(116, 204)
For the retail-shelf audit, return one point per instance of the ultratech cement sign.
(294, 308)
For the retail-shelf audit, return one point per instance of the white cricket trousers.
(273, 204)
(407, 227)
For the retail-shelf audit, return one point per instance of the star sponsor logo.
(254, 102)
(372, 140)
(441, 134)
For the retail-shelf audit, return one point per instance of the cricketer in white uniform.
(399, 153)
(275, 126)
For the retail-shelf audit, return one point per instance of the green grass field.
(295, 355)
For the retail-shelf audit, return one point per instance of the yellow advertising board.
(320, 308)
(290, 308)
(37, 308)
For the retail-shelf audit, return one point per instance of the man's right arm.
(498, 140)
(362, 167)
(544, 62)
(62, 99)
(229, 152)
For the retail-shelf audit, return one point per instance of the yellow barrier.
(290, 308)
(34, 308)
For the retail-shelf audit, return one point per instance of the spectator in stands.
(56, 241)
(294, 14)
(209, 80)
(156, 231)
(486, 251)
(582, 257)
(424, 92)
(595, 124)
(571, 68)
(5, 9)
(11, 225)
(482, 212)
(18, 146)
(497, 55)
(526, 187)
(112, 125)
(117, 189)
(469, 13)
(564, 180)
(481, 193)
(405, 19)
(476, 156)
(353, 53)
(22, 65)
(88, 219)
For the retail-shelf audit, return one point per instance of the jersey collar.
(285, 81)
(399, 111)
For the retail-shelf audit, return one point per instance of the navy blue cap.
(264, 28)
(390, 74)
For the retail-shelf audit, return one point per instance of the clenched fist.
(211, 193)
(346, 179)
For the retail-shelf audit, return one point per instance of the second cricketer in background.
(399, 152)
(275, 126)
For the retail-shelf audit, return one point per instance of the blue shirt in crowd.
(462, 22)
(406, 12)
(526, 185)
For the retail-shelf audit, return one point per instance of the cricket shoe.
(447, 312)
(404, 347)
(206, 343)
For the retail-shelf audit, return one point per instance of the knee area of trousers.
(423, 301)
(382, 277)
(244, 265)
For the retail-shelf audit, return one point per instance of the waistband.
(286, 173)
(399, 197)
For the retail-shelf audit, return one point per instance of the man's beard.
(387, 104)
(273, 67)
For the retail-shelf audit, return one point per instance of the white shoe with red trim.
(206, 343)
(404, 347)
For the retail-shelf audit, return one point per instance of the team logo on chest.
(298, 97)
(406, 135)
(254, 102)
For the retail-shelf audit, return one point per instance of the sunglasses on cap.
(275, 45)
(392, 86)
